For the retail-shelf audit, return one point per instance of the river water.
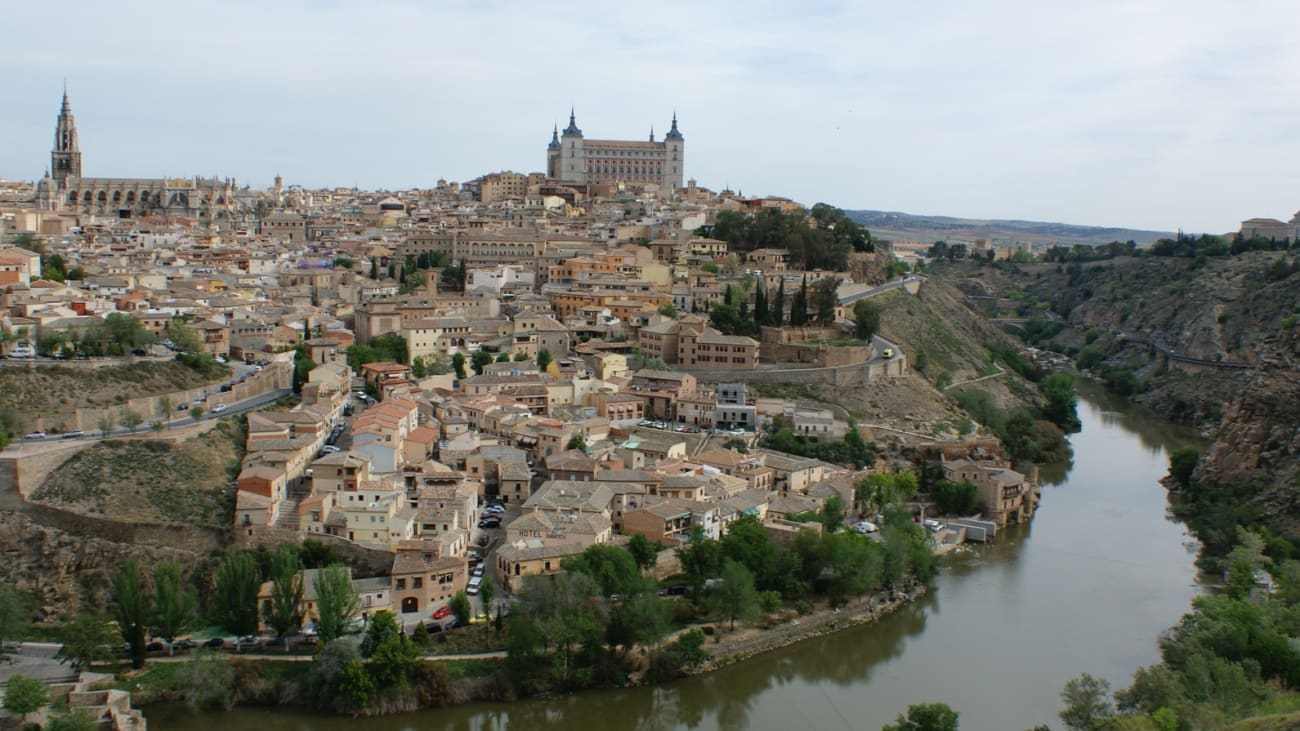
(1087, 587)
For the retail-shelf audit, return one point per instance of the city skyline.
(1164, 116)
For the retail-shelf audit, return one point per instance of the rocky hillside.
(1241, 309)
(152, 481)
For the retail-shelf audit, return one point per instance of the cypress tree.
(777, 315)
(760, 305)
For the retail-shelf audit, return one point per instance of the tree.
(1182, 463)
(285, 613)
(925, 717)
(130, 418)
(577, 441)
(15, 608)
(460, 607)
(106, 424)
(735, 596)
(479, 360)
(866, 319)
(503, 357)
(824, 299)
(611, 567)
(543, 359)
(25, 695)
(131, 601)
(302, 366)
(701, 558)
(158, 426)
(956, 498)
(381, 627)
(1087, 702)
(776, 310)
(831, 516)
(196, 412)
(487, 591)
(165, 407)
(458, 364)
(644, 553)
(236, 594)
(1062, 401)
(175, 607)
(520, 357)
(667, 309)
(337, 603)
(356, 684)
(87, 639)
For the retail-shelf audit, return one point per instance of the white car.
(330, 449)
(474, 583)
(866, 527)
(220, 408)
(35, 435)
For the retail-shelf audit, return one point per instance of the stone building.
(572, 158)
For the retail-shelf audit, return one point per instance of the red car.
(442, 612)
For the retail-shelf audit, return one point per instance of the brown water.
(1087, 588)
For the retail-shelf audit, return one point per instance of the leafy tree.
(1087, 702)
(236, 594)
(106, 424)
(285, 613)
(87, 639)
(317, 554)
(735, 596)
(480, 359)
(612, 567)
(644, 553)
(302, 366)
(701, 559)
(503, 357)
(337, 603)
(639, 619)
(15, 608)
(458, 364)
(393, 661)
(418, 368)
(130, 419)
(956, 498)
(577, 441)
(544, 359)
(824, 299)
(131, 609)
(356, 684)
(381, 627)
(175, 607)
(25, 694)
(866, 319)
(461, 607)
(1062, 401)
(667, 309)
(158, 426)
(487, 592)
(1182, 463)
(420, 635)
(520, 357)
(197, 412)
(710, 267)
(776, 309)
(925, 717)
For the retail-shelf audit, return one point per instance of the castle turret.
(65, 158)
(675, 147)
(572, 162)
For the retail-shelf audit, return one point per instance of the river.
(1087, 588)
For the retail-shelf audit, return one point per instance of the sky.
(1165, 115)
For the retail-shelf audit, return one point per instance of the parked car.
(474, 583)
(494, 509)
(489, 521)
(182, 645)
(865, 527)
(35, 435)
(933, 526)
(674, 590)
(220, 408)
(216, 643)
(330, 449)
(478, 571)
(247, 642)
(74, 434)
(442, 612)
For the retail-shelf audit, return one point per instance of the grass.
(484, 668)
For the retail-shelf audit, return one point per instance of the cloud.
(1154, 114)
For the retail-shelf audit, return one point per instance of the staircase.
(288, 516)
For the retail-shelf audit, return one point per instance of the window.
(401, 584)
(417, 582)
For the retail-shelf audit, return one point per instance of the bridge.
(912, 283)
(1174, 355)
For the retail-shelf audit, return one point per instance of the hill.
(909, 227)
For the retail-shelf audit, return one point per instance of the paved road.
(850, 299)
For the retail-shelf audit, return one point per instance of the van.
(473, 586)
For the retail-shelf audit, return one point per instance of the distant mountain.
(909, 227)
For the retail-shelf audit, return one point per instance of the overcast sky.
(1161, 114)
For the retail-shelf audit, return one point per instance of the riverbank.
(750, 641)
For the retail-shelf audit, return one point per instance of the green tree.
(458, 364)
(87, 639)
(1062, 401)
(640, 619)
(667, 309)
(175, 607)
(776, 310)
(15, 609)
(956, 498)
(1087, 703)
(356, 684)
(460, 607)
(337, 603)
(106, 424)
(393, 662)
(701, 559)
(130, 418)
(197, 412)
(866, 319)
(235, 598)
(578, 442)
(611, 567)
(644, 553)
(418, 368)
(1182, 463)
(543, 359)
(487, 592)
(503, 357)
(381, 627)
(131, 601)
(824, 298)
(831, 516)
(285, 613)
(520, 357)
(302, 366)
(158, 426)
(735, 596)
(479, 360)
(925, 717)
(25, 694)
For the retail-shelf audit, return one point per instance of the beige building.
(572, 158)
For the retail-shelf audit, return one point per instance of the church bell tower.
(65, 158)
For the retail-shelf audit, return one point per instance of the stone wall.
(365, 562)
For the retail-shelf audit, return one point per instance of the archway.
(410, 604)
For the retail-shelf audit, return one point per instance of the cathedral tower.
(65, 158)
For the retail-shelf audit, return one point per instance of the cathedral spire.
(555, 138)
(674, 134)
(572, 129)
(652, 133)
(65, 158)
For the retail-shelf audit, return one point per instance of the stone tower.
(65, 158)
(573, 157)
(675, 157)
